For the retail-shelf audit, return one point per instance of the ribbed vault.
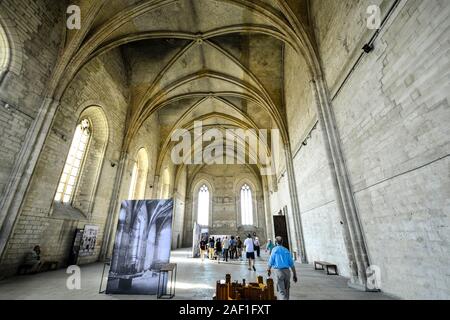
(216, 61)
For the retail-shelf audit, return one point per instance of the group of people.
(280, 258)
(225, 248)
(228, 248)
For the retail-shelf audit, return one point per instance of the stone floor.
(195, 281)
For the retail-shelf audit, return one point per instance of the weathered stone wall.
(392, 116)
(322, 228)
(100, 83)
(34, 34)
(280, 201)
(224, 180)
(147, 137)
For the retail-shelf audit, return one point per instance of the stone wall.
(322, 228)
(100, 83)
(147, 138)
(392, 115)
(224, 182)
(34, 37)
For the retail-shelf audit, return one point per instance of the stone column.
(296, 214)
(268, 215)
(113, 210)
(353, 235)
(156, 187)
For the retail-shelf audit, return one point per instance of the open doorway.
(280, 228)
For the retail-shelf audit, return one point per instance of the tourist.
(202, 245)
(211, 244)
(250, 252)
(232, 249)
(239, 245)
(257, 247)
(32, 262)
(269, 246)
(281, 261)
(218, 248)
(226, 247)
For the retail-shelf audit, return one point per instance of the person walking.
(218, 248)
(226, 247)
(32, 262)
(211, 244)
(239, 245)
(250, 252)
(269, 246)
(257, 247)
(232, 249)
(202, 245)
(281, 261)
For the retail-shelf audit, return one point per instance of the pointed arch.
(5, 53)
(246, 205)
(202, 195)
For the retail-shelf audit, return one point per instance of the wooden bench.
(326, 265)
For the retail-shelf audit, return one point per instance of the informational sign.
(87, 245)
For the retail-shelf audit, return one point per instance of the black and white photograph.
(142, 246)
(87, 245)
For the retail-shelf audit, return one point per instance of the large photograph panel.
(142, 245)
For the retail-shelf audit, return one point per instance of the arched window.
(72, 168)
(203, 206)
(139, 176)
(4, 53)
(246, 205)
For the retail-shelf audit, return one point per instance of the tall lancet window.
(203, 206)
(72, 168)
(246, 205)
(4, 53)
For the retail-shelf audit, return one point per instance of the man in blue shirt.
(281, 261)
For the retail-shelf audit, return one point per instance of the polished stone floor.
(195, 281)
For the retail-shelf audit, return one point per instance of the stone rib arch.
(253, 80)
(100, 37)
(238, 124)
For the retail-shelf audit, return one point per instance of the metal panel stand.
(163, 278)
(107, 263)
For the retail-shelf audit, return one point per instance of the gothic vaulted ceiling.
(219, 61)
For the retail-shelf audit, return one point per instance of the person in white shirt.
(225, 248)
(250, 252)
